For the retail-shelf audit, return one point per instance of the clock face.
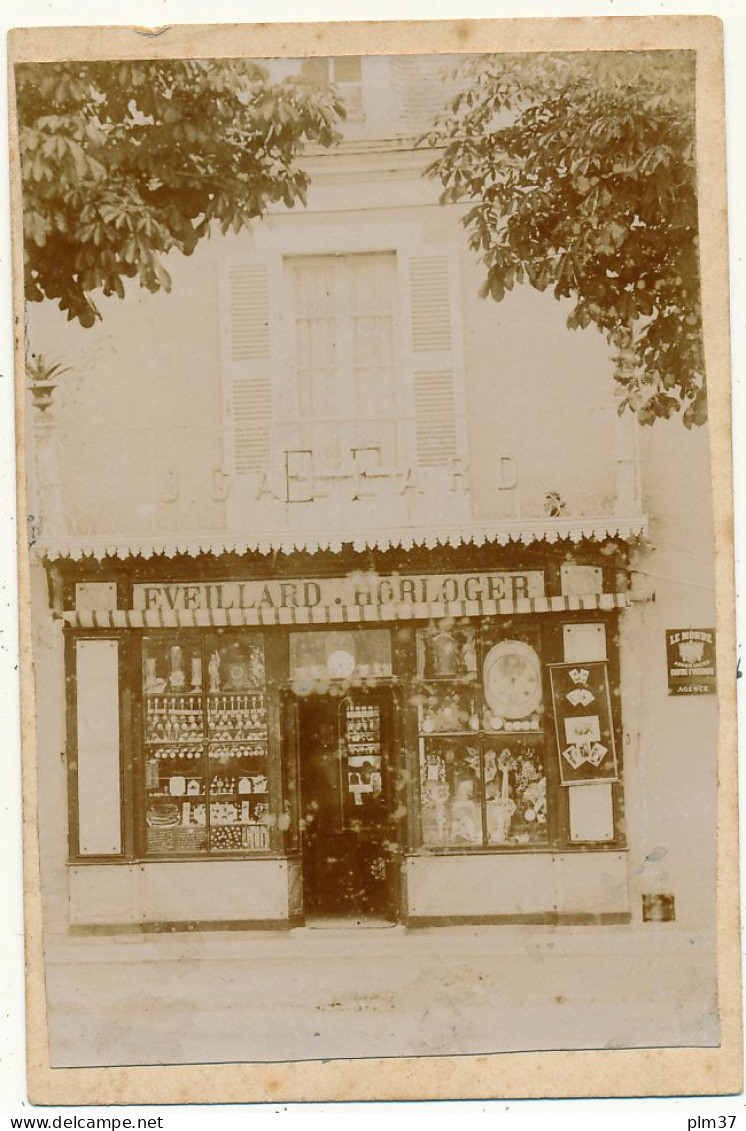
(512, 679)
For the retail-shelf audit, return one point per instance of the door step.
(348, 922)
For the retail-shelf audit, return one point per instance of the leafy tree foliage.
(122, 162)
(582, 170)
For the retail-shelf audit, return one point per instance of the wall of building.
(143, 398)
(672, 774)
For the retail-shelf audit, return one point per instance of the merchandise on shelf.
(205, 730)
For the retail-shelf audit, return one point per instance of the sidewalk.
(354, 992)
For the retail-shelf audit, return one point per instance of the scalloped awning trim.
(503, 534)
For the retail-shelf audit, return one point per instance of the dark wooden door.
(346, 793)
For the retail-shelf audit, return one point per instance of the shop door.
(345, 791)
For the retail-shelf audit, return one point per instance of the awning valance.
(503, 533)
(322, 615)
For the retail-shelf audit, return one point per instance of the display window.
(489, 776)
(205, 741)
(472, 735)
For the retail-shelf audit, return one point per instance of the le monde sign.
(349, 592)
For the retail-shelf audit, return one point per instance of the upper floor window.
(344, 335)
(347, 363)
(346, 73)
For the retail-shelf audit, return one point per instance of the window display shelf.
(449, 733)
(522, 733)
(440, 679)
(206, 742)
(172, 693)
(174, 796)
(235, 793)
(174, 741)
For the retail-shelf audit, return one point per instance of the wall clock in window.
(512, 679)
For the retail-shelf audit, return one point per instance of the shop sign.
(355, 590)
(690, 654)
(583, 723)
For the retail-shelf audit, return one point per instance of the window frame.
(345, 366)
(549, 633)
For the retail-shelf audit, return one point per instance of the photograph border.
(623, 1072)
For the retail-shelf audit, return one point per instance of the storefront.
(425, 736)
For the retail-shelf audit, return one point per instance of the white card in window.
(99, 798)
(584, 642)
(95, 596)
(591, 812)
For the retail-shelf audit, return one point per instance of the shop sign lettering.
(690, 654)
(353, 591)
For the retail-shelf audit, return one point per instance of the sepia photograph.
(381, 673)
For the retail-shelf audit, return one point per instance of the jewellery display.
(206, 771)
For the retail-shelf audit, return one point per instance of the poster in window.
(690, 654)
(584, 723)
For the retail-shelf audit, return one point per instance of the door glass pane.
(363, 769)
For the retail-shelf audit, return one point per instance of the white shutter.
(435, 418)
(430, 278)
(247, 358)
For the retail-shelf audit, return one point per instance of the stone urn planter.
(43, 380)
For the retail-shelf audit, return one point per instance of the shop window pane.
(447, 707)
(317, 657)
(236, 663)
(512, 681)
(206, 764)
(515, 790)
(450, 793)
(173, 716)
(446, 653)
(238, 808)
(172, 664)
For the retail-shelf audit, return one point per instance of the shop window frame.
(548, 631)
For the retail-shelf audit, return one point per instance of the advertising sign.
(583, 720)
(690, 653)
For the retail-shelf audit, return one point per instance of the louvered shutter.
(247, 353)
(435, 356)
